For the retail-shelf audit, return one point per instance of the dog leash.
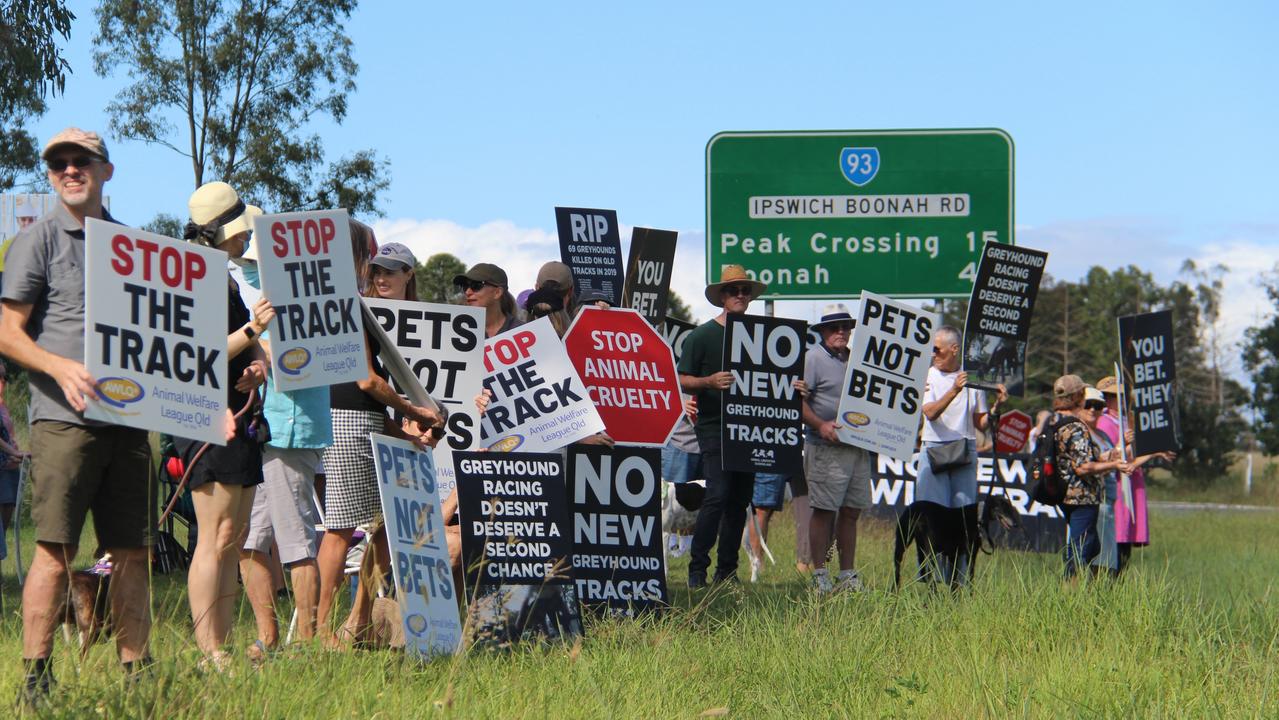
(186, 473)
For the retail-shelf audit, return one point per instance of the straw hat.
(731, 275)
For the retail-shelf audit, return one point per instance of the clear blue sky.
(1145, 132)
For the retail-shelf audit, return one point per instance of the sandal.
(258, 653)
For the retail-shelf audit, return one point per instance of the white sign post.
(308, 274)
(415, 528)
(539, 403)
(155, 331)
(890, 352)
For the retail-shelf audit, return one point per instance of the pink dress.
(1130, 525)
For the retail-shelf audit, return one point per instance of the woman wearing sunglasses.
(484, 286)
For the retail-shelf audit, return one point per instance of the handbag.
(948, 455)
(952, 453)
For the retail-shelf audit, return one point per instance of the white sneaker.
(821, 582)
(849, 581)
(756, 564)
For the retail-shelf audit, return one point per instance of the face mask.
(250, 270)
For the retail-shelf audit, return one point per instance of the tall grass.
(1189, 632)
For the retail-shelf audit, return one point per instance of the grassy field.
(1190, 632)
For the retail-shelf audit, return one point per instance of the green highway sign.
(825, 215)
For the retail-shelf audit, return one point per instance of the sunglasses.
(1094, 405)
(472, 285)
(80, 161)
(841, 327)
(737, 290)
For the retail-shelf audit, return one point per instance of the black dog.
(941, 531)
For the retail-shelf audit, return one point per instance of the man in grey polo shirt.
(838, 474)
(77, 464)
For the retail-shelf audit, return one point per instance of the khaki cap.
(84, 139)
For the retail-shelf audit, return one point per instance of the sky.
(1144, 131)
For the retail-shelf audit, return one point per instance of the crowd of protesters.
(255, 498)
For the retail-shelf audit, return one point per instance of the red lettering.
(509, 350)
(328, 231)
(279, 245)
(122, 263)
(170, 267)
(148, 248)
(195, 269)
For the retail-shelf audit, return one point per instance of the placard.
(308, 273)
(1013, 432)
(155, 332)
(648, 272)
(999, 310)
(420, 554)
(890, 352)
(761, 425)
(539, 403)
(444, 348)
(591, 246)
(618, 560)
(1043, 528)
(674, 332)
(1145, 344)
(516, 547)
(629, 374)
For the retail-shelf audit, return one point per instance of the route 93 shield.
(859, 165)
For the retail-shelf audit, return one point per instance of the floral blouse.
(1075, 448)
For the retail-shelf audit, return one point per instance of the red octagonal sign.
(629, 372)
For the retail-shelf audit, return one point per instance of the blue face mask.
(250, 270)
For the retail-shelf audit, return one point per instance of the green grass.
(1190, 632)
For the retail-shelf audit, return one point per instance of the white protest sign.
(155, 331)
(890, 352)
(539, 403)
(420, 554)
(443, 345)
(308, 274)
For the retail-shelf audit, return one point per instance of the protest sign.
(1149, 368)
(516, 547)
(308, 272)
(591, 246)
(1043, 528)
(761, 422)
(999, 310)
(443, 346)
(155, 332)
(618, 561)
(420, 554)
(884, 385)
(674, 331)
(539, 403)
(629, 374)
(1013, 432)
(648, 272)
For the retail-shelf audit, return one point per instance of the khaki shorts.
(106, 469)
(838, 476)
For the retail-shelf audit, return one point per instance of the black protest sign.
(674, 331)
(648, 272)
(761, 422)
(515, 546)
(1145, 344)
(999, 311)
(618, 560)
(591, 246)
(1043, 528)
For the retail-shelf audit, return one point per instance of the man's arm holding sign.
(71, 375)
(981, 419)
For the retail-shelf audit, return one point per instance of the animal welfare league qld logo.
(859, 165)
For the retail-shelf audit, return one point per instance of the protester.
(11, 457)
(1081, 467)
(77, 465)
(839, 475)
(549, 304)
(682, 467)
(283, 514)
(351, 496)
(557, 277)
(391, 273)
(26, 215)
(1107, 558)
(222, 478)
(702, 374)
(484, 286)
(1131, 528)
(951, 493)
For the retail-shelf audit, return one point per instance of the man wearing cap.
(77, 464)
(702, 374)
(839, 475)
